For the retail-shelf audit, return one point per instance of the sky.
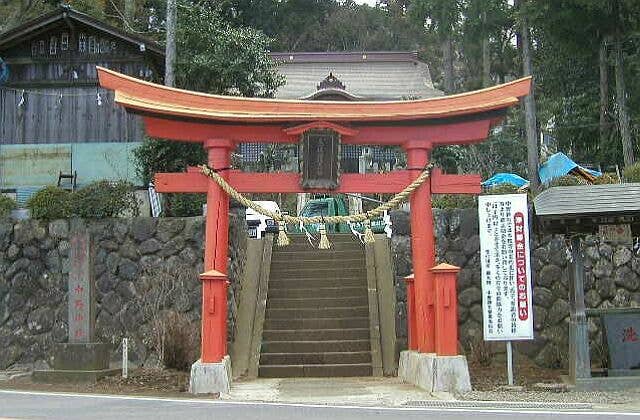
(369, 2)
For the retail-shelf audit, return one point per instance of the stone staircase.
(317, 316)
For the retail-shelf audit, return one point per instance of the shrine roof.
(588, 200)
(152, 99)
(386, 75)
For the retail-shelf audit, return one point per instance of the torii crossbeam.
(220, 123)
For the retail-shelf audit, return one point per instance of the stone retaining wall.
(612, 279)
(144, 267)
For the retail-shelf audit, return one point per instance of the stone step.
(319, 335)
(316, 302)
(355, 357)
(320, 292)
(307, 313)
(316, 263)
(278, 255)
(315, 282)
(306, 246)
(333, 237)
(316, 323)
(310, 346)
(303, 272)
(317, 371)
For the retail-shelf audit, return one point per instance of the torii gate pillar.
(213, 371)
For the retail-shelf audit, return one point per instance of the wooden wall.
(46, 117)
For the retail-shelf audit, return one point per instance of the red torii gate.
(221, 122)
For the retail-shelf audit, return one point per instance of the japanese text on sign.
(506, 268)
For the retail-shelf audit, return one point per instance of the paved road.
(29, 405)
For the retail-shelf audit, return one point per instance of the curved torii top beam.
(162, 101)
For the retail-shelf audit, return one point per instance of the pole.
(170, 50)
(509, 364)
(125, 357)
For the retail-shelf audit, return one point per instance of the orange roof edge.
(157, 99)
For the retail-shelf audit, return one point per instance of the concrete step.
(312, 335)
(311, 346)
(307, 313)
(356, 357)
(317, 263)
(315, 282)
(319, 292)
(316, 302)
(316, 323)
(306, 246)
(333, 237)
(299, 371)
(285, 254)
(303, 272)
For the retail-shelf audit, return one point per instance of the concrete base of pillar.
(435, 373)
(211, 378)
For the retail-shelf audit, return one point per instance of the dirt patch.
(525, 372)
(142, 382)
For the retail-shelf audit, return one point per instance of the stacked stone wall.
(612, 279)
(146, 266)
(143, 268)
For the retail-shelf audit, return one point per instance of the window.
(41, 47)
(82, 43)
(104, 46)
(34, 48)
(64, 42)
(53, 45)
(93, 47)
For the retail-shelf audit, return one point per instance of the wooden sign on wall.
(320, 159)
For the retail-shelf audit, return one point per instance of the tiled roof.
(369, 75)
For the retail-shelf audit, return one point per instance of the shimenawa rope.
(283, 219)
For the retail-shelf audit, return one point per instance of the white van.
(258, 224)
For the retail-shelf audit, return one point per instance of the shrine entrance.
(320, 127)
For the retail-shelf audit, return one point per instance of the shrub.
(103, 199)
(184, 205)
(180, 342)
(606, 178)
(50, 203)
(481, 352)
(567, 181)
(454, 201)
(631, 173)
(501, 189)
(6, 205)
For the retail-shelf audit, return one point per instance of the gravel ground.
(554, 397)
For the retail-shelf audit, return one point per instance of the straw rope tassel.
(324, 240)
(368, 233)
(283, 239)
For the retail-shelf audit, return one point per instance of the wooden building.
(53, 115)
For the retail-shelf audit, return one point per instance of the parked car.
(258, 224)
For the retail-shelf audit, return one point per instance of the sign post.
(506, 270)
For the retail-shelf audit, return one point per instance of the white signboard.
(506, 267)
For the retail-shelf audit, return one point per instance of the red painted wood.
(411, 313)
(423, 255)
(150, 98)
(454, 184)
(299, 129)
(214, 331)
(446, 304)
(467, 132)
(193, 181)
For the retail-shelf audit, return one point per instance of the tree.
(212, 57)
(441, 17)
(529, 101)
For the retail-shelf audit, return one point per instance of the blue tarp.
(559, 165)
(504, 178)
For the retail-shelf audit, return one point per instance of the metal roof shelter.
(383, 76)
(582, 208)
(576, 211)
